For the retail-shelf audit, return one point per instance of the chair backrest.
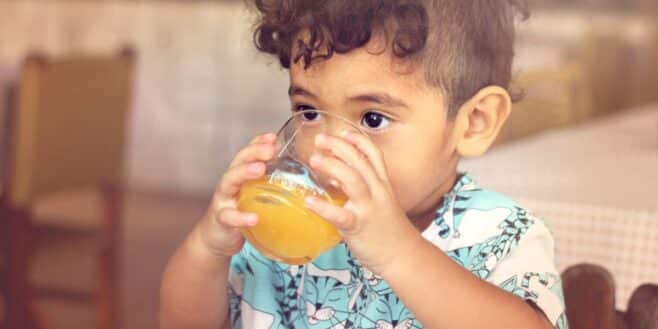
(643, 5)
(69, 124)
(642, 312)
(589, 295)
(640, 70)
(649, 86)
(552, 97)
(653, 65)
(605, 57)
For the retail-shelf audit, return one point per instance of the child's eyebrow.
(381, 99)
(297, 90)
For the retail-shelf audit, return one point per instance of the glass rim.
(333, 115)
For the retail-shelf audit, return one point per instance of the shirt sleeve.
(529, 272)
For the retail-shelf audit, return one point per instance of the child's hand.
(371, 223)
(220, 228)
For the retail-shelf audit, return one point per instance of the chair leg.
(109, 260)
(18, 249)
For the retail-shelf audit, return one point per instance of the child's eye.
(311, 115)
(375, 121)
(308, 112)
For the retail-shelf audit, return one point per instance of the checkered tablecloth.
(623, 241)
(595, 185)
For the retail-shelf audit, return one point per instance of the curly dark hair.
(463, 45)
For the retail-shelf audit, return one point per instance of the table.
(596, 186)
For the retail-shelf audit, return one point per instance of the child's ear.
(480, 120)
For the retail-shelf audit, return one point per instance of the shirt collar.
(464, 180)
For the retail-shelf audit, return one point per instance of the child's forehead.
(362, 68)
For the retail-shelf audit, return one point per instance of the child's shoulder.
(479, 228)
(468, 198)
(472, 215)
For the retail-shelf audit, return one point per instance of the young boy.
(424, 246)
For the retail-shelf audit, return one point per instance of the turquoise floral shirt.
(483, 231)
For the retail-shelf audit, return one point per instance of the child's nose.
(338, 123)
(336, 128)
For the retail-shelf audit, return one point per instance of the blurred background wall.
(202, 89)
(199, 80)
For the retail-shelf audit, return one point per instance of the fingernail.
(316, 160)
(255, 168)
(348, 135)
(251, 219)
(310, 201)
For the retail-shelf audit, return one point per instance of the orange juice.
(287, 231)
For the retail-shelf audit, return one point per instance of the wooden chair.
(652, 80)
(642, 312)
(552, 97)
(68, 128)
(643, 5)
(589, 294)
(604, 56)
(645, 88)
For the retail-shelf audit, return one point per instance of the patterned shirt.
(483, 231)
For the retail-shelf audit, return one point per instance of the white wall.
(201, 88)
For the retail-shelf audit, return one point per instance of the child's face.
(404, 116)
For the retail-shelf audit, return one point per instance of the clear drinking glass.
(287, 230)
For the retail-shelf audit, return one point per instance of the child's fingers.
(372, 152)
(230, 184)
(342, 218)
(233, 218)
(351, 182)
(263, 138)
(254, 152)
(347, 152)
(260, 151)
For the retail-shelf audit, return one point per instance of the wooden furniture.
(645, 83)
(589, 294)
(605, 58)
(552, 97)
(614, 48)
(68, 134)
(642, 312)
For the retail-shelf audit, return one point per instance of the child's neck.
(428, 208)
